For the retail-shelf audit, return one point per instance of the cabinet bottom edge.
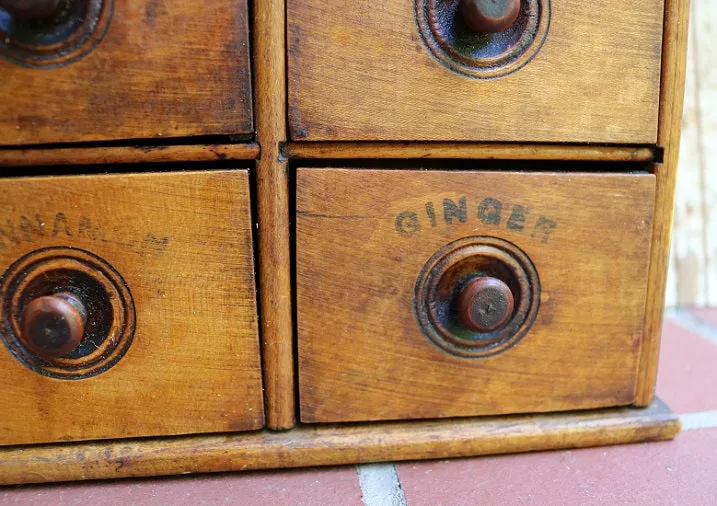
(325, 445)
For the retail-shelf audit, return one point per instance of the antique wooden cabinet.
(331, 232)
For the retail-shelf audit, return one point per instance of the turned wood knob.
(485, 304)
(30, 9)
(490, 16)
(53, 326)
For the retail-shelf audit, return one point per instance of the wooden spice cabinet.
(248, 236)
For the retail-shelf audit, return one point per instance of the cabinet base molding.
(323, 445)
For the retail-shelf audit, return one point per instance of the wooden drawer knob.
(30, 9)
(485, 304)
(490, 16)
(53, 326)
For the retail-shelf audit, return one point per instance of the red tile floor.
(681, 472)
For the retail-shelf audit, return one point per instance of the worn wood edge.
(467, 150)
(324, 150)
(674, 58)
(274, 243)
(323, 445)
(127, 154)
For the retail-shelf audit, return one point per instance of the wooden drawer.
(384, 259)
(162, 267)
(129, 69)
(361, 70)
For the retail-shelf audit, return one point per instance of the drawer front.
(126, 69)
(588, 72)
(452, 293)
(158, 272)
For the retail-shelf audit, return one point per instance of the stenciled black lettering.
(517, 218)
(158, 242)
(407, 223)
(431, 212)
(452, 210)
(8, 234)
(85, 228)
(61, 225)
(543, 228)
(30, 227)
(489, 211)
(26, 228)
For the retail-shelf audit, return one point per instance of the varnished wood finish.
(466, 150)
(359, 70)
(324, 150)
(167, 69)
(182, 243)
(273, 207)
(336, 444)
(128, 154)
(671, 101)
(363, 237)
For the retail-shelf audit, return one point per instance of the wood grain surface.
(127, 154)
(466, 150)
(359, 70)
(671, 107)
(272, 181)
(336, 445)
(182, 243)
(164, 69)
(361, 353)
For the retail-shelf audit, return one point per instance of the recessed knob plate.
(477, 296)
